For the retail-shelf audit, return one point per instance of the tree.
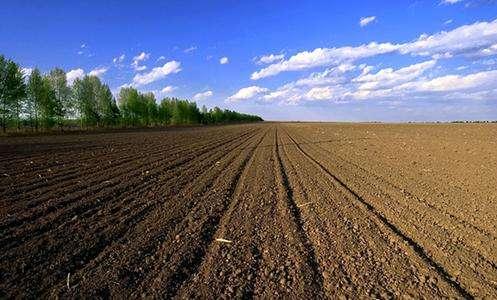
(63, 104)
(34, 97)
(150, 109)
(128, 103)
(47, 100)
(84, 91)
(165, 112)
(12, 91)
(4, 105)
(47, 104)
(108, 108)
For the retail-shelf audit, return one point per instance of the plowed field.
(267, 210)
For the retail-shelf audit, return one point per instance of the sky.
(391, 61)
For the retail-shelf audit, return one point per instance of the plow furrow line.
(418, 249)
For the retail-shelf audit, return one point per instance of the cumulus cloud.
(119, 59)
(324, 57)
(247, 93)
(224, 60)
(99, 72)
(469, 40)
(389, 77)
(157, 73)
(202, 96)
(364, 21)
(351, 83)
(474, 81)
(74, 74)
(320, 93)
(466, 39)
(168, 89)
(270, 58)
(161, 58)
(328, 76)
(139, 59)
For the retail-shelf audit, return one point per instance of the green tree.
(4, 104)
(12, 92)
(48, 106)
(165, 112)
(34, 97)
(63, 104)
(109, 112)
(129, 105)
(84, 93)
(150, 112)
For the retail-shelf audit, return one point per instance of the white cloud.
(247, 93)
(449, 21)
(141, 57)
(83, 45)
(80, 52)
(74, 74)
(26, 71)
(320, 93)
(388, 84)
(223, 60)
(474, 81)
(138, 59)
(389, 77)
(469, 40)
(168, 89)
(466, 39)
(323, 57)
(271, 58)
(364, 21)
(119, 59)
(161, 58)
(190, 49)
(98, 72)
(448, 2)
(328, 76)
(157, 73)
(282, 93)
(202, 96)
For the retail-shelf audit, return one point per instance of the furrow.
(418, 249)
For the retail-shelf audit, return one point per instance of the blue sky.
(284, 60)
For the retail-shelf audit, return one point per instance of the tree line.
(45, 101)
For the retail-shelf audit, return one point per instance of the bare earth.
(295, 210)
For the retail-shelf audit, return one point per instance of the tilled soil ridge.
(251, 211)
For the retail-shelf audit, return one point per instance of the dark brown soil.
(265, 210)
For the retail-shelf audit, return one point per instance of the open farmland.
(295, 210)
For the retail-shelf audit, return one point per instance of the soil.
(287, 210)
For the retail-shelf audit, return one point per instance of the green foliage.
(12, 91)
(48, 105)
(109, 112)
(84, 93)
(47, 101)
(62, 104)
